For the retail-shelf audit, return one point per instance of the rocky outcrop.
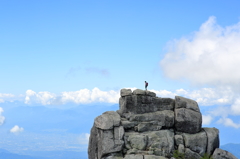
(150, 127)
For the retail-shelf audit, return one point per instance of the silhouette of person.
(146, 84)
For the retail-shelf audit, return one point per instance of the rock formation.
(150, 127)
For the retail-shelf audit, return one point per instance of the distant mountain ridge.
(233, 148)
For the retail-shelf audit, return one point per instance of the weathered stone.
(132, 151)
(196, 142)
(181, 148)
(153, 157)
(152, 94)
(191, 155)
(118, 133)
(113, 156)
(187, 120)
(181, 102)
(93, 144)
(139, 92)
(178, 139)
(146, 99)
(162, 118)
(213, 139)
(107, 143)
(149, 126)
(125, 104)
(133, 157)
(162, 142)
(128, 124)
(222, 154)
(107, 120)
(168, 103)
(125, 92)
(138, 141)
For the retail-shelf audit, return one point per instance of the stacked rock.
(150, 127)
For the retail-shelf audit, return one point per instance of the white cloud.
(206, 119)
(228, 122)
(84, 138)
(6, 97)
(16, 129)
(89, 96)
(45, 98)
(79, 97)
(210, 56)
(235, 107)
(2, 118)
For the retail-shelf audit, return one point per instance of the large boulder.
(188, 118)
(189, 154)
(160, 143)
(125, 92)
(141, 101)
(222, 154)
(213, 139)
(107, 120)
(106, 136)
(196, 142)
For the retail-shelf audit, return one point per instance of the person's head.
(145, 81)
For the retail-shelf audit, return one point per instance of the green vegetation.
(206, 156)
(178, 155)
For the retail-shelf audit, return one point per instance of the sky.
(57, 53)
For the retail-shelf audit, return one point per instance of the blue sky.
(57, 52)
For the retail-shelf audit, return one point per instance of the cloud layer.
(16, 129)
(2, 118)
(82, 96)
(225, 101)
(210, 56)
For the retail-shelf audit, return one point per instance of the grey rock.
(139, 104)
(178, 139)
(132, 151)
(139, 92)
(181, 102)
(113, 156)
(125, 92)
(158, 119)
(148, 126)
(153, 157)
(128, 124)
(107, 144)
(187, 120)
(126, 105)
(138, 141)
(196, 142)
(107, 120)
(168, 103)
(133, 157)
(152, 94)
(93, 144)
(222, 154)
(191, 155)
(103, 142)
(181, 148)
(213, 139)
(162, 142)
(118, 133)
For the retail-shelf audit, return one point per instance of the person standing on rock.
(146, 84)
